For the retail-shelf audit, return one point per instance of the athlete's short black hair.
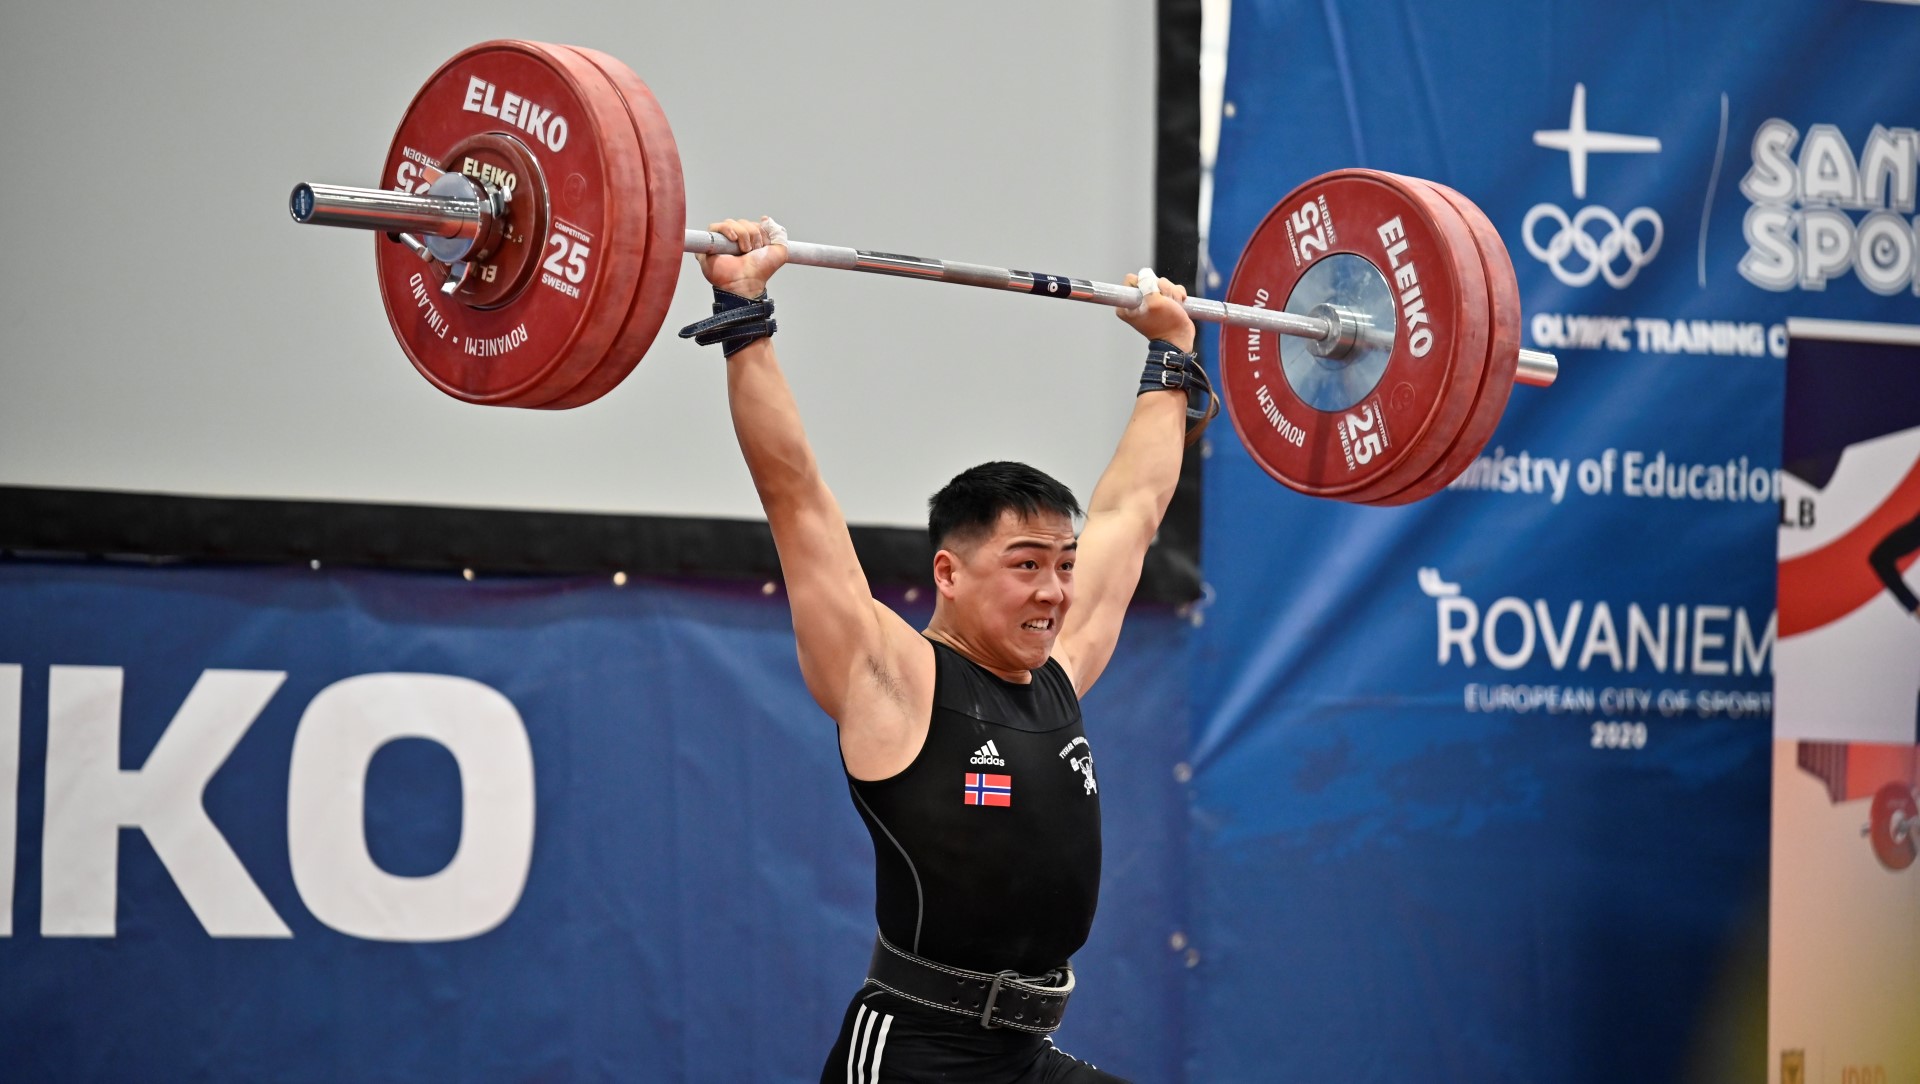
(969, 507)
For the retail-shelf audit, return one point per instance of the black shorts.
(886, 1039)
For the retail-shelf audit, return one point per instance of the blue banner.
(1495, 765)
(395, 826)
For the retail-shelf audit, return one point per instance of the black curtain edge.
(1176, 253)
(46, 524)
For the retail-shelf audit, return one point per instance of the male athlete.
(963, 743)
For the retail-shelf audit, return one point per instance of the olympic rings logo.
(1598, 252)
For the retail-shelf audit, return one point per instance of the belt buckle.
(993, 993)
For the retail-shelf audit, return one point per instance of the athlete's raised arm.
(866, 667)
(1133, 492)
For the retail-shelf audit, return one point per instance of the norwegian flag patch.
(984, 789)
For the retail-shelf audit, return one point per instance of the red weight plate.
(665, 239)
(1503, 290)
(1379, 244)
(526, 348)
(1894, 850)
(1470, 334)
(626, 212)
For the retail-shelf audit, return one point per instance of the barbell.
(534, 222)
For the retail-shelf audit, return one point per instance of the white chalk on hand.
(1149, 285)
(776, 233)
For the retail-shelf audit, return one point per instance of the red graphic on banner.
(1835, 580)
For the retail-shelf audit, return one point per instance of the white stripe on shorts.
(880, 1045)
(861, 1069)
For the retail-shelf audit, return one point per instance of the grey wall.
(166, 328)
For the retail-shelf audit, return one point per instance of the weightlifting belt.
(1004, 1000)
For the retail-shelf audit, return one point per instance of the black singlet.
(987, 847)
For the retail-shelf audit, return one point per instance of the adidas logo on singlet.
(988, 754)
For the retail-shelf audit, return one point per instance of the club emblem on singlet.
(986, 789)
(1082, 763)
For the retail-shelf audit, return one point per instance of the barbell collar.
(415, 244)
(1346, 329)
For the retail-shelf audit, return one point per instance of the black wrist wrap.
(1168, 367)
(736, 321)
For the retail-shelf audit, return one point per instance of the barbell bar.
(461, 219)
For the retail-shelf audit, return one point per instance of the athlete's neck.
(935, 630)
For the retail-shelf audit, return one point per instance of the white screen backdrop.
(168, 329)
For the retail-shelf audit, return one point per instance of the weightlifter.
(984, 889)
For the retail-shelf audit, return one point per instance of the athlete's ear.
(946, 570)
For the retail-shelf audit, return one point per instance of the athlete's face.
(1011, 589)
